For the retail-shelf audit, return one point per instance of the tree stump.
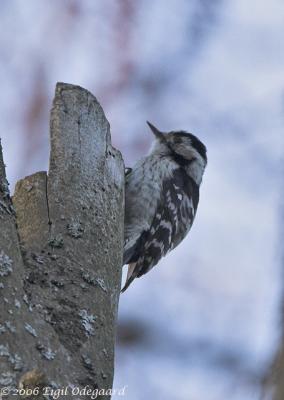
(61, 256)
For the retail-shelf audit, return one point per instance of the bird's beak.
(157, 133)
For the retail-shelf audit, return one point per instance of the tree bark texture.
(273, 387)
(61, 256)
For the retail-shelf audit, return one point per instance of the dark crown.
(195, 142)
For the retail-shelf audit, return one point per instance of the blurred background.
(204, 324)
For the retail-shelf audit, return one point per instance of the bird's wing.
(141, 197)
(171, 222)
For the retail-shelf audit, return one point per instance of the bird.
(161, 199)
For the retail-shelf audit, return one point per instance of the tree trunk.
(61, 258)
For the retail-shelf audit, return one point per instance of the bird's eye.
(178, 140)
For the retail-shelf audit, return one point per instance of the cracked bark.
(61, 256)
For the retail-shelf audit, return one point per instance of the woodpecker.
(161, 199)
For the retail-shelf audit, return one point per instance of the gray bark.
(273, 384)
(61, 256)
(277, 376)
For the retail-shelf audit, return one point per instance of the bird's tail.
(130, 276)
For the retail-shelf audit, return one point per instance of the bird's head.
(184, 147)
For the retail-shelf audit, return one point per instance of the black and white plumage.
(161, 198)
